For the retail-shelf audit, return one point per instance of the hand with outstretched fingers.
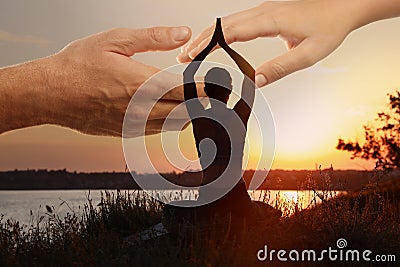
(87, 86)
(311, 30)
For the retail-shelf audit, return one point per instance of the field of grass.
(369, 219)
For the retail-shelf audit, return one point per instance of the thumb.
(303, 56)
(130, 41)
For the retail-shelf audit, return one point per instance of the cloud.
(26, 39)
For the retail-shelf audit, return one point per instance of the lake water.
(18, 205)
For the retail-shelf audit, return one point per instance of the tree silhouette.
(382, 141)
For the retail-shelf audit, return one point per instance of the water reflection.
(19, 204)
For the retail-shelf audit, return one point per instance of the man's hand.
(87, 85)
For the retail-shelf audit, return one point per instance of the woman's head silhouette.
(218, 84)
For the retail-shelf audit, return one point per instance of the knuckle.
(102, 37)
(114, 32)
(155, 35)
(229, 33)
(117, 39)
(278, 70)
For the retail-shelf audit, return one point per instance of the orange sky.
(311, 108)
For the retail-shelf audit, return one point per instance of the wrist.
(54, 89)
(22, 97)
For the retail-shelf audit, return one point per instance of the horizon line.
(172, 171)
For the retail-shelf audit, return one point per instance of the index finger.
(238, 27)
(130, 41)
(205, 36)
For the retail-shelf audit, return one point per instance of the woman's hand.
(311, 30)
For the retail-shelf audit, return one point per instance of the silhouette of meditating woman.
(225, 128)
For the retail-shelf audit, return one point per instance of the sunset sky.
(311, 108)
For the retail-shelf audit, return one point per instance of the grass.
(368, 219)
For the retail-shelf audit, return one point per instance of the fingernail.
(179, 34)
(260, 80)
(179, 59)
